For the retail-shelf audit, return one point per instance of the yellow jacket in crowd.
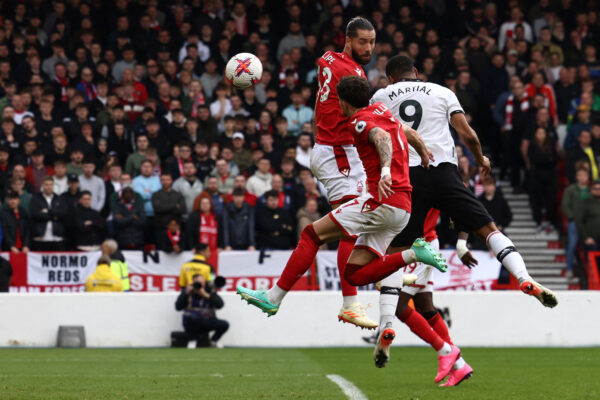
(103, 280)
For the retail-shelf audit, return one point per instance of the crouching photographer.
(199, 300)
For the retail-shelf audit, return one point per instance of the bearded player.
(382, 146)
(334, 160)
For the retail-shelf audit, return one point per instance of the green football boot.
(427, 254)
(258, 298)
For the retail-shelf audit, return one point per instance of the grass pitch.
(292, 374)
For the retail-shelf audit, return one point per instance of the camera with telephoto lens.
(197, 285)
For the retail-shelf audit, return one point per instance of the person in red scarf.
(202, 226)
(16, 234)
(172, 238)
(60, 82)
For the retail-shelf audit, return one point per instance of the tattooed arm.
(383, 143)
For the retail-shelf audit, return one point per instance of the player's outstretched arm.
(383, 143)
(463, 251)
(470, 139)
(415, 140)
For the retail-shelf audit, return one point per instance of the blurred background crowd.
(116, 120)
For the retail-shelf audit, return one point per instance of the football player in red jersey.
(375, 217)
(334, 160)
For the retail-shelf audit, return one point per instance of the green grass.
(292, 374)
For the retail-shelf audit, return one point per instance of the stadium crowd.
(117, 121)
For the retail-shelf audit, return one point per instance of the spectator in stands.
(537, 85)
(224, 178)
(583, 152)
(199, 300)
(303, 150)
(72, 194)
(16, 228)
(588, 219)
(274, 225)
(17, 185)
(171, 239)
(48, 214)
(297, 113)
(308, 214)
(129, 220)
(167, 203)
(572, 199)
(238, 223)
(146, 185)
(241, 156)
(60, 177)
(211, 192)
(284, 199)
(134, 161)
(494, 202)
(76, 164)
(542, 161)
(270, 152)
(260, 182)
(118, 265)
(188, 185)
(89, 224)
(36, 171)
(202, 225)
(93, 184)
(176, 165)
(103, 279)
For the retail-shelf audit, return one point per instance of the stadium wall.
(494, 319)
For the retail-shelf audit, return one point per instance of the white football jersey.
(426, 107)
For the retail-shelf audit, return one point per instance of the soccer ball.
(244, 70)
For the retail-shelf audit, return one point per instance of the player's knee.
(308, 233)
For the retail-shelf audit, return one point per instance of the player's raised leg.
(506, 252)
(314, 235)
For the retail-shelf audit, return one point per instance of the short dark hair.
(238, 192)
(272, 193)
(200, 247)
(356, 24)
(399, 66)
(354, 90)
(86, 192)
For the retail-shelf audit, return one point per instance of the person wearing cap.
(92, 183)
(36, 171)
(16, 226)
(297, 113)
(241, 156)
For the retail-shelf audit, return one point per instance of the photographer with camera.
(199, 300)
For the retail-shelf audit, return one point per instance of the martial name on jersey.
(426, 107)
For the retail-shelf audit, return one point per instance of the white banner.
(64, 269)
(458, 276)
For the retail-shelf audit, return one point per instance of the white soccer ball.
(244, 70)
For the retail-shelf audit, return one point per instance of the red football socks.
(344, 249)
(301, 258)
(439, 326)
(421, 328)
(374, 271)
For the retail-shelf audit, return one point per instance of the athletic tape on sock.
(389, 290)
(504, 252)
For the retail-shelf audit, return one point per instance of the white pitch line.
(347, 387)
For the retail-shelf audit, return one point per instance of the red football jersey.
(378, 115)
(332, 126)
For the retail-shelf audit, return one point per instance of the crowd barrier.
(159, 271)
(306, 318)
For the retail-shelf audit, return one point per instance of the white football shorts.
(374, 224)
(340, 170)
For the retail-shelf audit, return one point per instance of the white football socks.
(349, 300)
(513, 261)
(445, 350)
(458, 364)
(409, 256)
(387, 308)
(276, 294)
